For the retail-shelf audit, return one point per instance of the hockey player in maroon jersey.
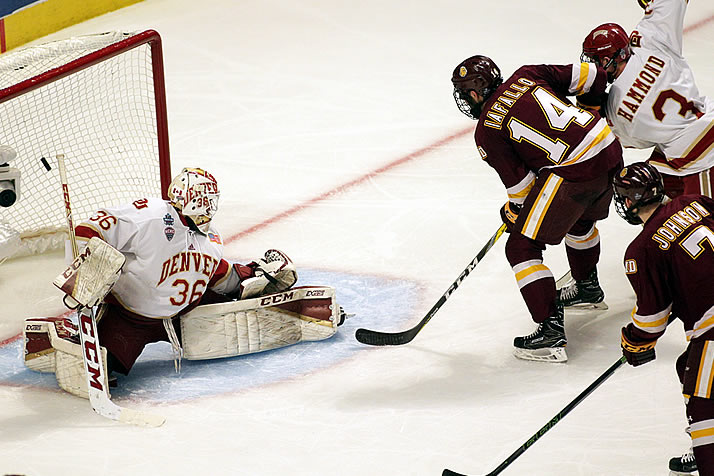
(556, 162)
(669, 265)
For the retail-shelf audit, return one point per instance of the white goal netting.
(97, 99)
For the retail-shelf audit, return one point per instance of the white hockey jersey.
(655, 102)
(168, 265)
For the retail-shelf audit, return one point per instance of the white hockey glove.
(274, 273)
(91, 275)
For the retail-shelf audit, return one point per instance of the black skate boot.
(683, 465)
(546, 344)
(584, 295)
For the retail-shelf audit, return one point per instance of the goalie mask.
(194, 193)
(640, 184)
(479, 74)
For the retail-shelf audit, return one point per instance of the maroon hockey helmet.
(477, 73)
(642, 184)
(610, 41)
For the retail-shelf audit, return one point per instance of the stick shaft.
(67, 204)
(559, 416)
(371, 337)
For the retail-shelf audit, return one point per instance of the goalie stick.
(370, 337)
(91, 350)
(559, 416)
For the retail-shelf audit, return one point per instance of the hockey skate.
(684, 465)
(583, 295)
(546, 344)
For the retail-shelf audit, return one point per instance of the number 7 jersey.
(669, 266)
(168, 266)
(528, 124)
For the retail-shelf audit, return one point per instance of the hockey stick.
(563, 280)
(607, 374)
(369, 337)
(91, 350)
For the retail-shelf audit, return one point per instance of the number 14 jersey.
(528, 124)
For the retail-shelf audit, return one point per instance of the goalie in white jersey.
(653, 100)
(173, 261)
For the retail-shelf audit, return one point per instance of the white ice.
(285, 102)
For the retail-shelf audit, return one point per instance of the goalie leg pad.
(254, 325)
(39, 355)
(52, 345)
(69, 365)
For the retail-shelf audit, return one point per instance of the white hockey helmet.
(194, 193)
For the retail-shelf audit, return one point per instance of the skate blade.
(547, 354)
(588, 306)
(678, 473)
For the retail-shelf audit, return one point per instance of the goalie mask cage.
(99, 100)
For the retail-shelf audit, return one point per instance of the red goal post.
(100, 101)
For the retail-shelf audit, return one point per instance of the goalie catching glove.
(637, 352)
(274, 273)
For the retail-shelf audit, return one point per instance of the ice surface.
(286, 102)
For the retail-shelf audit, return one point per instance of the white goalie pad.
(52, 345)
(39, 355)
(212, 331)
(92, 274)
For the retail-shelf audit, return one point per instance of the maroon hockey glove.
(635, 351)
(509, 215)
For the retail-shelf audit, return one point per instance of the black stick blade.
(366, 336)
(448, 472)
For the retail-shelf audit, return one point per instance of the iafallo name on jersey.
(678, 223)
(499, 109)
(188, 261)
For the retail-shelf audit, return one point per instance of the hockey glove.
(509, 215)
(643, 3)
(635, 351)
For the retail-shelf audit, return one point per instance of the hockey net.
(100, 101)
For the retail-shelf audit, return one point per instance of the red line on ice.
(341, 188)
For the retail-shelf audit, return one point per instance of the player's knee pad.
(582, 238)
(264, 323)
(520, 249)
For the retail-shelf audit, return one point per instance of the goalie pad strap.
(254, 325)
